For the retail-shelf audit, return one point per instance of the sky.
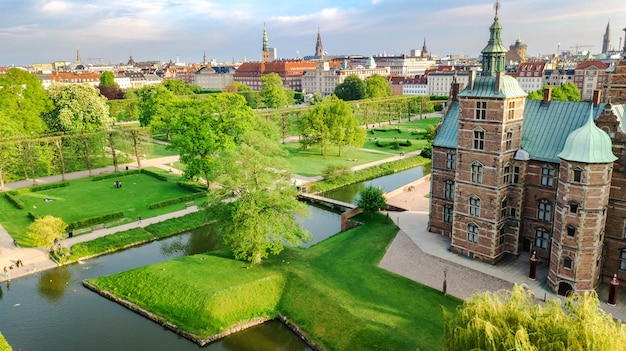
(43, 31)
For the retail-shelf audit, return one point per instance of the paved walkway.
(422, 256)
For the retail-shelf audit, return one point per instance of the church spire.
(494, 52)
(205, 62)
(606, 41)
(78, 59)
(424, 49)
(319, 49)
(265, 54)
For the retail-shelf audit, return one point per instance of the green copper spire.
(266, 45)
(494, 52)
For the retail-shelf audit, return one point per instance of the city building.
(409, 85)
(530, 75)
(589, 76)
(511, 176)
(439, 82)
(214, 78)
(558, 77)
(290, 71)
(517, 52)
(328, 74)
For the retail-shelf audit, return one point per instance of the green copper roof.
(547, 126)
(449, 131)
(588, 144)
(484, 86)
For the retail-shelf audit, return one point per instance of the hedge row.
(39, 188)
(14, 200)
(393, 143)
(191, 186)
(94, 220)
(177, 200)
(154, 174)
(115, 175)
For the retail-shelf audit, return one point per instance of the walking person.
(6, 272)
(138, 219)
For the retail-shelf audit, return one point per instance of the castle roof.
(483, 87)
(448, 134)
(588, 144)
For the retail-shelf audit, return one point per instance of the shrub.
(39, 188)
(336, 173)
(177, 200)
(381, 144)
(154, 174)
(94, 220)
(406, 143)
(427, 151)
(14, 200)
(395, 145)
(191, 186)
(115, 175)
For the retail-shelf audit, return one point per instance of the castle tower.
(606, 41)
(205, 61)
(582, 198)
(487, 196)
(265, 54)
(78, 59)
(319, 49)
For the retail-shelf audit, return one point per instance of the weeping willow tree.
(510, 320)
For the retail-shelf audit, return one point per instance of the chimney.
(498, 85)
(455, 91)
(597, 94)
(547, 95)
(470, 82)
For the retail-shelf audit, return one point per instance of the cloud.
(55, 7)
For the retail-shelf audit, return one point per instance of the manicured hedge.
(14, 200)
(95, 220)
(154, 174)
(177, 200)
(115, 175)
(191, 186)
(39, 188)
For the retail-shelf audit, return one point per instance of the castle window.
(508, 141)
(622, 260)
(547, 176)
(501, 235)
(504, 208)
(472, 233)
(516, 171)
(578, 174)
(511, 113)
(573, 207)
(507, 174)
(450, 160)
(544, 211)
(571, 230)
(479, 139)
(474, 206)
(481, 110)
(449, 190)
(541, 238)
(567, 263)
(477, 173)
(447, 214)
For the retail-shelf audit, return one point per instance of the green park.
(237, 153)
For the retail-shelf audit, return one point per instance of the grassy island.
(333, 292)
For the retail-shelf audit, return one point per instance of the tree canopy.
(255, 204)
(206, 127)
(77, 108)
(154, 104)
(43, 231)
(108, 87)
(177, 87)
(510, 320)
(22, 102)
(565, 92)
(352, 88)
(372, 199)
(376, 86)
(273, 94)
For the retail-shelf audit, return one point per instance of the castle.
(511, 176)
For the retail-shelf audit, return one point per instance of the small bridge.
(326, 201)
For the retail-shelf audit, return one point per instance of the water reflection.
(53, 283)
(199, 240)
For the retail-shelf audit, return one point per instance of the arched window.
(477, 173)
(541, 238)
(544, 211)
(474, 206)
(472, 233)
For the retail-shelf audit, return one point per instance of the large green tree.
(77, 108)
(154, 106)
(376, 86)
(372, 199)
(177, 87)
(43, 231)
(23, 101)
(255, 204)
(352, 88)
(108, 87)
(510, 320)
(206, 127)
(272, 93)
(565, 92)
(330, 123)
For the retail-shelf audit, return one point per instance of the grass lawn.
(333, 291)
(85, 198)
(412, 131)
(160, 150)
(310, 162)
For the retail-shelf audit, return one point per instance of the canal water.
(51, 310)
(350, 193)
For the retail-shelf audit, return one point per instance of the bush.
(115, 175)
(14, 200)
(395, 145)
(177, 200)
(39, 188)
(154, 174)
(406, 143)
(336, 173)
(427, 151)
(191, 186)
(381, 144)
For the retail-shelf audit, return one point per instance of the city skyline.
(39, 31)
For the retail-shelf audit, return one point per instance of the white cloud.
(55, 7)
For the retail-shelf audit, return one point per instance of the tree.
(376, 86)
(331, 122)
(510, 320)
(237, 87)
(108, 87)
(372, 199)
(77, 108)
(316, 98)
(23, 101)
(273, 94)
(205, 128)
(565, 92)
(352, 88)
(45, 230)
(154, 106)
(261, 217)
(177, 87)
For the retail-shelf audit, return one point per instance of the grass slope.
(333, 291)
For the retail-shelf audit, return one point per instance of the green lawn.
(85, 198)
(160, 150)
(333, 291)
(412, 131)
(310, 162)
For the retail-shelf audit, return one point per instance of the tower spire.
(424, 49)
(319, 49)
(265, 54)
(606, 40)
(494, 52)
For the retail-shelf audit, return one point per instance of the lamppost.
(445, 281)
(613, 291)
(533, 266)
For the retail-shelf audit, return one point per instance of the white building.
(209, 78)
(440, 83)
(325, 78)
